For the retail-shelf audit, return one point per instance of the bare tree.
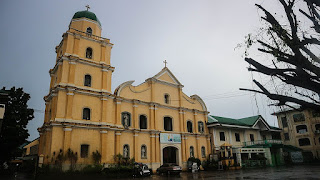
(293, 50)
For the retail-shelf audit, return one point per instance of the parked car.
(169, 168)
(141, 169)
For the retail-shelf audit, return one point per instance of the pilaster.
(69, 103)
(136, 145)
(104, 102)
(117, 142)
(103, 147)
(157, 139)
(118, 112)
(67, 138)
(76, 44)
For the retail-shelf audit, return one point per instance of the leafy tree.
(14, 128)
(291, 44)
(96, 157)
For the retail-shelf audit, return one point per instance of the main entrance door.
(170, 154)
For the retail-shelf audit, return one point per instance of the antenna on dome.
(88, 7)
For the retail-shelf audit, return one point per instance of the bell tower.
(80, 80)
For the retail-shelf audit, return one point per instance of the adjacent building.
(245, 138)
(301, 129)
(154, 122)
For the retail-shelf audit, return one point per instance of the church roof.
(86, 14)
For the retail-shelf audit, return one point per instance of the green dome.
(86, 14)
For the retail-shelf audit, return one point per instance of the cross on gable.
(165, 63)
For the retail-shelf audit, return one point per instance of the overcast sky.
(197, 38)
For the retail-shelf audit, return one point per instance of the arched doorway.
(170, 155)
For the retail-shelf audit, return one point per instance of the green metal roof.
(86, 14)
(250, 120)
(225, 120)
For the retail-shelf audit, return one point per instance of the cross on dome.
(165, 63)
(88, 7)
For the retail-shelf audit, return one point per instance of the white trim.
(103, 132)
(86, 19)
(118, 102)
(71, 94)
(136, 135)
(118, 133)
(134, 105)
(67, 129)
(104, 70)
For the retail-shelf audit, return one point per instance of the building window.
(251, 137)
(200, 127)
(86, 114)
(89, 53)
(167, 98)
(286, 136)
(264, 137)
(89, 31)
(317, 126)
(301, 129)
(189, 126)
(143, 122)
(203, 152)
(126, 151)
(84, 151)
(191, 151)
(126, 119)
(304, 142)
(276, 136)
(87, 80)
(237, 135)
(167, 123)
(143, 152)
(222, 137)
(316, 113)
(284, 122)
(298, 117)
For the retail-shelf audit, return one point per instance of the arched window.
(89, 31)
(87, 80)
(301, 129)
(143, 122)
(200, 127)
(167, 98)
(86, 114)
(126, 151)
(89, 53)
(143, 152)
(167, 123)
(203, 151)
(189, 126)
(191, 151)
(126, 119)
(304, 142)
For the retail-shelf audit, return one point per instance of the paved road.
(293, 172)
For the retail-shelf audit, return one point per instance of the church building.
(154, 122)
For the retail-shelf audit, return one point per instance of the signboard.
(170, 138)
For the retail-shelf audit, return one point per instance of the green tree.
(14, 128)
(291, 44)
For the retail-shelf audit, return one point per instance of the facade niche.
(89, 53)
(143, 122)
(87, 80)
(126, 119)
(200, 127)
(86, 114)
(84, 151)
(126, 151)
(203, 152)
(167, 123)
(167, 98)
(189, 126)
(143, 152)
(191, 151)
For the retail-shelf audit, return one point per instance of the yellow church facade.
(154, 122)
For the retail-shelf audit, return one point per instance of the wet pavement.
(300, 172)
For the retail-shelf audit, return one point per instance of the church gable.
(166, 76)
